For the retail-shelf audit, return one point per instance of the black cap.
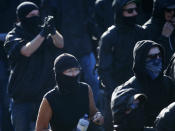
(65, 61)
(24, 8)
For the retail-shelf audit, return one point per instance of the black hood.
(165, 121)
(159, 6)
(140, 52)
(117, 7)
(120, 101)
(24, 8)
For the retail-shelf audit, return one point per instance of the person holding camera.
(160, 27)
(31, 50)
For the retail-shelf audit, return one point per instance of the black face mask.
(32, 24)
(130, 21)
(67, 84)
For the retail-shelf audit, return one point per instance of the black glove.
(45, 28)
(51, 25)
(48, 27)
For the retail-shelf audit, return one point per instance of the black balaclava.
(30, 24)
(66, 84)
(120, 20)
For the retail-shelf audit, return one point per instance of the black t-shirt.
(68, 109)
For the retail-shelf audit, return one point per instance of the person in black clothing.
(31, 50)
(166, 119)
(148, 66)
(116, 46)
(128, 110)
(160, 27)
(73, 20)
(70, 100)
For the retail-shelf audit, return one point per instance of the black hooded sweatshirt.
(159, 92)
(120, 100)
(153, 28)
(30, 77)
(166, 118)
(116, 46)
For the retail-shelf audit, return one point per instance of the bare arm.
(95, 115)
(44, 116)
(58, 40)
(93, 109)
(28, 49)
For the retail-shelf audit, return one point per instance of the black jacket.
(153, 28)
(120, 102)
(30, 77)
(166, 118)
(116, 46)
(159, 92)
(71, 19)
(170, 71)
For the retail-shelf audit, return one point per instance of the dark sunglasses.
(154, 56)
(134, 106)
(131, 10)
(169, 10)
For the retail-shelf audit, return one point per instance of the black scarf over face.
(66, 84)
(31, 24)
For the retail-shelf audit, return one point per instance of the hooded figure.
(117, 41)
(166, 119)
(69, 101)
(31, 51)
(66, 84)
(31, 24)
(156, 27)
(149, 79)
(119, 19)
(127, 115)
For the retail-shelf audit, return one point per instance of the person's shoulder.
(126, 85)
(51, 93)
(84, 85)
(14, 32)
(109, 35)
(111, 30)
(99, 2)
(129, 83)
(166, 118)
(147, 24)
(167, 79)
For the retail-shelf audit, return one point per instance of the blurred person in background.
(160, 27)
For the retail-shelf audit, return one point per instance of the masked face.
(129, 13)
(68, 80)
(32, 21)
(153, 64)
